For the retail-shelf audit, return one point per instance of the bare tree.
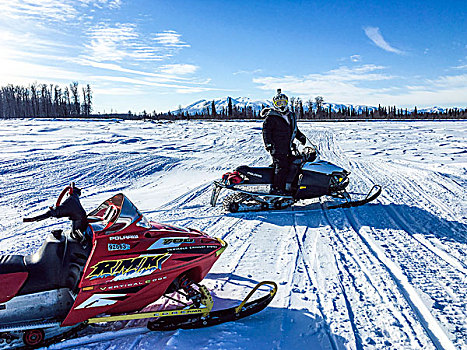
(299, 107)
(319, 103)
(75, 96)
(292, 103)
(309, 104)
(88, 99)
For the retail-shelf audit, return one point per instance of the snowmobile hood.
(323, 166)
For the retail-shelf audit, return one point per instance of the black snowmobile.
(309, 177)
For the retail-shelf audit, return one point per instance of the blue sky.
(156, 55)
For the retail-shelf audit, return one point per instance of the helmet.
(280, 101)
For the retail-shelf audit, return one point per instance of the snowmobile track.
(351, 254)
(426, 319)
(307, 263)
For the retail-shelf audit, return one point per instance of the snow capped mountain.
(203, 106)
(434, 109)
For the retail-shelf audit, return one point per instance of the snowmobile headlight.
(340, 179)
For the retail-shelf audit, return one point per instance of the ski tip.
(371, 196)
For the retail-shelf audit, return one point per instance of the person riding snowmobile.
(72, 209)
(279, 131)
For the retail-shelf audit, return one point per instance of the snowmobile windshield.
(116, 214)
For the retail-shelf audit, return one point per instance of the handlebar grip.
(29, 219)
(39, 217)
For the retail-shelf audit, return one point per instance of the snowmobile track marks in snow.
(426, 319)
(374, 272)
(308, 263)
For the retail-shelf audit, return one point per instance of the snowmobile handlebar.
(305, 150)
(38, 217)
(29, 219)
(53, 210)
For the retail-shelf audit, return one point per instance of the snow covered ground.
(389, 275)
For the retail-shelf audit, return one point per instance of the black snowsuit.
(278, 136)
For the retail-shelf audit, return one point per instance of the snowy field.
(388, 275)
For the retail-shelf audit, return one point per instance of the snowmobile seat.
(257, 175)
(12, 264)
(57, 264)
(12, 276)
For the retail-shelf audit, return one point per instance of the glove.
(269, 148)
(302, 139)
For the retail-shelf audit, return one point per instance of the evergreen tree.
(230, 110)
(213, 109)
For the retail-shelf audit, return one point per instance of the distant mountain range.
(202, 106)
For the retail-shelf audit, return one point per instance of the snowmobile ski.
(205, 298)
(246, 308)
(356, 203)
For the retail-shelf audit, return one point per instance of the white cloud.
(119, 42)
(259, 70)
(359, 73)
(51, 10)
(112, 90)
(30, 44)
(122, 41)
(449, 82)
(112, 4)
(356, 86)
(195, 89)
(59, 41)
(170, 38)
(18, 72)
(117, 68)
(375, 36)
(340, 85)
(355, 58)
(38, 9)
(462, 64)
(178, 69)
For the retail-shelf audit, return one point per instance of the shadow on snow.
(413, 220)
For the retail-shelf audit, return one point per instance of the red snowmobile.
(113, 270)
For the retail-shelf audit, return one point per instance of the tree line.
(45, 100)
(315, 110)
